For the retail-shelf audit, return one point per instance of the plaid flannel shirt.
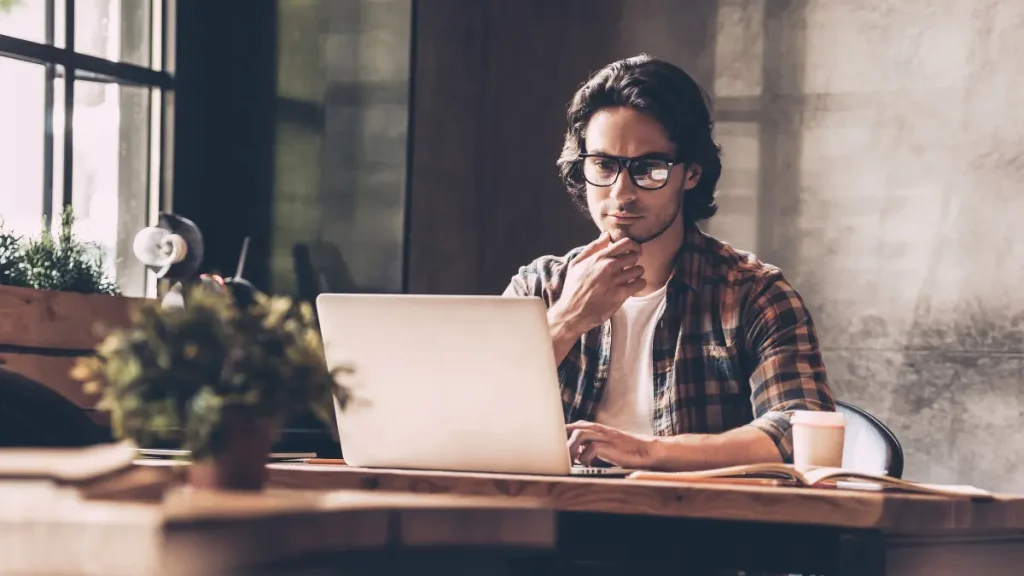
(734, 346)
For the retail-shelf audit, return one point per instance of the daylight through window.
(82, 108)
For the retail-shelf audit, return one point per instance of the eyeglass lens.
(646, 172)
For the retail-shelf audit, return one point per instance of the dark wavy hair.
(669, 95)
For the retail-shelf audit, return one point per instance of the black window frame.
(70, 66)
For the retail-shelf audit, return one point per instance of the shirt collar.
(691, 261)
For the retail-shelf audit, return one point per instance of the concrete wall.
(876, 153)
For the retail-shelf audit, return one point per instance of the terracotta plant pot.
(241, 463)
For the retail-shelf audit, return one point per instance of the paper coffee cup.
(818, 439)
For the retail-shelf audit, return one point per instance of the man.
(675, 351)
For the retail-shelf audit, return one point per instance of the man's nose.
(623, 190)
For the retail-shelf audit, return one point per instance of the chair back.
(870, 445)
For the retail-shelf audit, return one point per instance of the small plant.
(44, 263)
(175, 372)
(12, 260)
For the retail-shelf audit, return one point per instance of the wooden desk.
(50, 530)
(814, 530)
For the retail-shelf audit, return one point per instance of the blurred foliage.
(8, 5)
(174, 372)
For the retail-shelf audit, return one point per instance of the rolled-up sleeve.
(518, 286)
(541, 278)
(788, 372)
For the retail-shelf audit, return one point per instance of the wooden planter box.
(43, 332)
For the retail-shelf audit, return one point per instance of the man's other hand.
(590, 443)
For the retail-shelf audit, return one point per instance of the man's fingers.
(629, 274)
(624, 260)
(589, 454)
(602, 242)
(600, 454)
(585, 436)
(634, 286)
(573, 443)
(619, 248)
(580, 437)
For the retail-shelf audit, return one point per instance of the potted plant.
(216, 379)
(54, 295)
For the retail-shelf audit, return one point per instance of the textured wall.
(876, 154)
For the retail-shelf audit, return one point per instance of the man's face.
(624, 209)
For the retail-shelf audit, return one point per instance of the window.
(83, 103)
(341, 141)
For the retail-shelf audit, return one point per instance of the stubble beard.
(662, 227)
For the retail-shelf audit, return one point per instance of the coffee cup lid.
(818, 418)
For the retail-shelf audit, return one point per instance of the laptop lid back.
(463, 383)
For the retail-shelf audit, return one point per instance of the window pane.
(339, 192)
(117, 30)
(24, 19)
(22, 125)
(110, 173)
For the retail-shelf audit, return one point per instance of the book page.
(752, 471)
(844, 477)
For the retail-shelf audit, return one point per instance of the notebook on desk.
(461, 383)
(787, 474)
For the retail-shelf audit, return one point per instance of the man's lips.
(623, 217)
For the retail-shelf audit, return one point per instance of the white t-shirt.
(628, 399)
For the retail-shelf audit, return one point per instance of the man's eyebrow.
(655, 154)
(658, 154)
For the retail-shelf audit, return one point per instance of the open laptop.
(465, 383)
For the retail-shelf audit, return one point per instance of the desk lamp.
(173, 250)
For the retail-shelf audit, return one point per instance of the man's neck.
(658, 256)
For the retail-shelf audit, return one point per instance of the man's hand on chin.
(590, 443)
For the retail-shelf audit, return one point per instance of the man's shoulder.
(751, 284)
(544, 275)
(550, 263)
(550, 267)
(731, 266)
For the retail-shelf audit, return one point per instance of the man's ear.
(693, 172)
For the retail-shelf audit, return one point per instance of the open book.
(817, 478)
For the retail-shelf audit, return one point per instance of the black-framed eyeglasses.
(646, 173)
